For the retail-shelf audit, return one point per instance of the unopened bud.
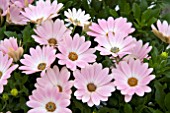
(164, 55)
(14, 92)
(5, 96)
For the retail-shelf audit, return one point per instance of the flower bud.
(164, 55)
(14, 92)
(5, 96)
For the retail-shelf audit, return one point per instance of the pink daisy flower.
(163, 31)
(118, 26)
(15, 17)
(77, 17)
(93, 84)
(39, 60)
(75, 52)
(10, 47)
(54, 78)
(132, 78)
(140, 51)
(6, 68)
(115, 46)
(42, 11)
(4, 4)
(22, 3)
(51, 33)
(48, 101)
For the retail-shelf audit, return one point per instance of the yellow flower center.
(114, 50)
(50, 107)
(132, 81)
(91, 87)
(60, 88)
(41, 66)
(52, 41)
(73, 56)
(1, 74)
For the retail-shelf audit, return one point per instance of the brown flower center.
(114, 50)
(41, 66)
(50, 107)
(91, 87)
(73, 56)
(132, 81)
(60, 88)
(1, 74)
(52, 41)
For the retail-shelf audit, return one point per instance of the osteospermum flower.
(132, 78)
(115, 46)
(54, 78)
(51, 33)
(77, 17)
(75, 52)
(39, 60)
(4, 4)
(48, 100)
(42, 11)
(118, 26)
(93, 84)
(6, 68)
(22, 3)
(10, 47)
(140, 51)
(163, 31)
(15, 17)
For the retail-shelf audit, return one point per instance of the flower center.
(1, 74)
(132, 81)
(50, 107)
(91, 87)
(114, 50)
(60, 88)
(52, 41)
(41, 66)
(73, 56)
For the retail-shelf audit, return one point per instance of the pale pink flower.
(6, 68)
(10, 47)
(77, 17)
(54, 78)
(14, 16)
(140, 51)
(75, 52)
(48, 100)
(115, 46)
(4, 4)
(43, 10)
(132, 78)
(39, 60)
(93, 84)
(117, 27)
(22, 3)
(51, 33)
(163, 31)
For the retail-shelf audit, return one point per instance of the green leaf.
(113, 13)
(107, 110)
(11, 34)
(27, 32)
(160, 94)
(136, 11)
(143, 4)
(127, 108)
(167, 101)
(2, 32)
